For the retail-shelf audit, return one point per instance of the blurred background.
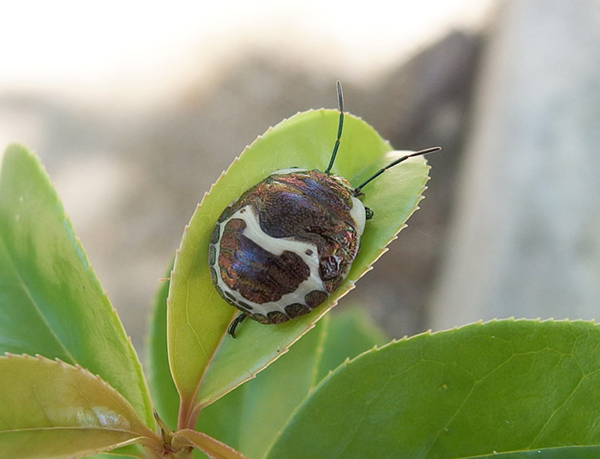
(136, 107)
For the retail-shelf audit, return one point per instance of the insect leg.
(235, 322)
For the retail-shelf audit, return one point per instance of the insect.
(288, 242)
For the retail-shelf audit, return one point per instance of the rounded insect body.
(288, 242)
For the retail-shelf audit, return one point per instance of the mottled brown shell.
(286, 244)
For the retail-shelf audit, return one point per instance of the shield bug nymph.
(288, 242)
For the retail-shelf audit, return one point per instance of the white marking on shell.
(276, 246)
(290, 170)
(359, 215)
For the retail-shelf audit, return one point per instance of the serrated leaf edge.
(132, 355)
(347, 286)
(343, 290)
(406, 338)
(149, 434)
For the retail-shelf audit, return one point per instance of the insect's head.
(358, 190)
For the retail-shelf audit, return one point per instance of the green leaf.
(162, 387)
(52, 409)
(250, 417)
(349, 334)
(51, 302)
(504, 386)
(206, 363)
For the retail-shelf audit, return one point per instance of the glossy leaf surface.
(504, 386)
(51, 302)
(206, 363)
(51, 409)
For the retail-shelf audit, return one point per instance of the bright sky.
(134, 46)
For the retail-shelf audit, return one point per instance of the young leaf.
(206, 363)
(51, 303)
(249, 418)
(348, 335)
(504, 386)
(51, 409)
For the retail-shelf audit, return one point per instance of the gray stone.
(526, 235)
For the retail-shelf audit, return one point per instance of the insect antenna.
(340, 126)
(358, 189)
